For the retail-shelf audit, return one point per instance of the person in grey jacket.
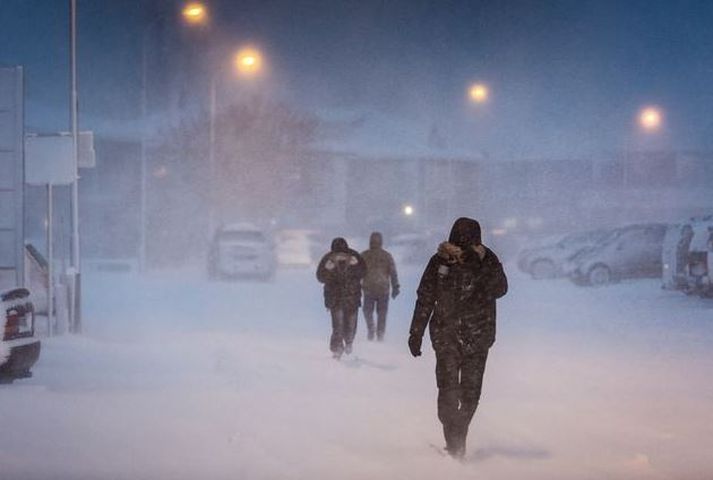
(380, 280)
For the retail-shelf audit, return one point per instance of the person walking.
(380, 280)
(341, 271)
(456, 300)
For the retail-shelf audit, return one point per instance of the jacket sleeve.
(426, 299)
(495, 281)
(392, 272)
(323, 274)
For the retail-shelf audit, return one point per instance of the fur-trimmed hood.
(451, 253)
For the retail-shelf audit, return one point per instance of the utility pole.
(76, 321)
(144, 126)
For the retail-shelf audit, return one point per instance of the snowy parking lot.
(181, 378)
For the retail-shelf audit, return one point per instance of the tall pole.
(211, 156)
(50, 261)
(142, 207)
(76, 297)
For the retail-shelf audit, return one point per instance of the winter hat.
(339, 245)
(465, 232)
(376, 240)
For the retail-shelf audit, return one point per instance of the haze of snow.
(181, 378)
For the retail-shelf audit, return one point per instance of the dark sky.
(567, 76)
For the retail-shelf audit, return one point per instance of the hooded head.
(465, 232)
(339, 245)
(376, 240)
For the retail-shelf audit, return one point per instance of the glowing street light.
(248, 61)
(478, 93)
(651, 119)
(195, 13)
(408, 210)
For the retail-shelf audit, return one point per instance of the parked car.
(630, 252)
(241, 250)
(19, 348)
(548, 259)
(298, 248)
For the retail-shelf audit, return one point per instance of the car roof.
(240, 227)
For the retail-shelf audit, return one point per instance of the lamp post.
(76, 285)
(247, 62)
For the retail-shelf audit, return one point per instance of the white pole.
(50, 262)
(76, 290)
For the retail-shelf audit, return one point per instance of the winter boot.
(348, 348)
(455, 440)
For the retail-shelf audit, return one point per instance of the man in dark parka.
(456, 299)
(341, 271)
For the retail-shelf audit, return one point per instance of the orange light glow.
(248, 61)
(478, 93)
(195, 13)
(651, 119)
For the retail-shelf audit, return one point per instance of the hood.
(465, 232)
(340, 245)
(376, 240)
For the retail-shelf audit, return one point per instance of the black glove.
(414, 344)
(395, 292)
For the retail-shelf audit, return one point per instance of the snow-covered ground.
(179, 378)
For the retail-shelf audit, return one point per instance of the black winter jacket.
(456, 297)
(341, 273)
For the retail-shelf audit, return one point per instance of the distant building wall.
(12, 236)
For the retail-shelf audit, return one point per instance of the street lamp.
(478, 93)
(195, 13)
(650, 119)
(248, 61)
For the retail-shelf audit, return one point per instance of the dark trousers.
(381, 303)
(344, 323)
(460, 380)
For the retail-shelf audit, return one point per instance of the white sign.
(48, 158)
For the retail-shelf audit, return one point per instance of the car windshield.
(577, 239)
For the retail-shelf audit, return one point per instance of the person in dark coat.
(341, 271)
(456, 300)
(380, 280)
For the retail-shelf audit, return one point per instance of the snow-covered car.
(548, 260)
(630, 252)
(19, 348)
(241, 250)
(296, 247)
